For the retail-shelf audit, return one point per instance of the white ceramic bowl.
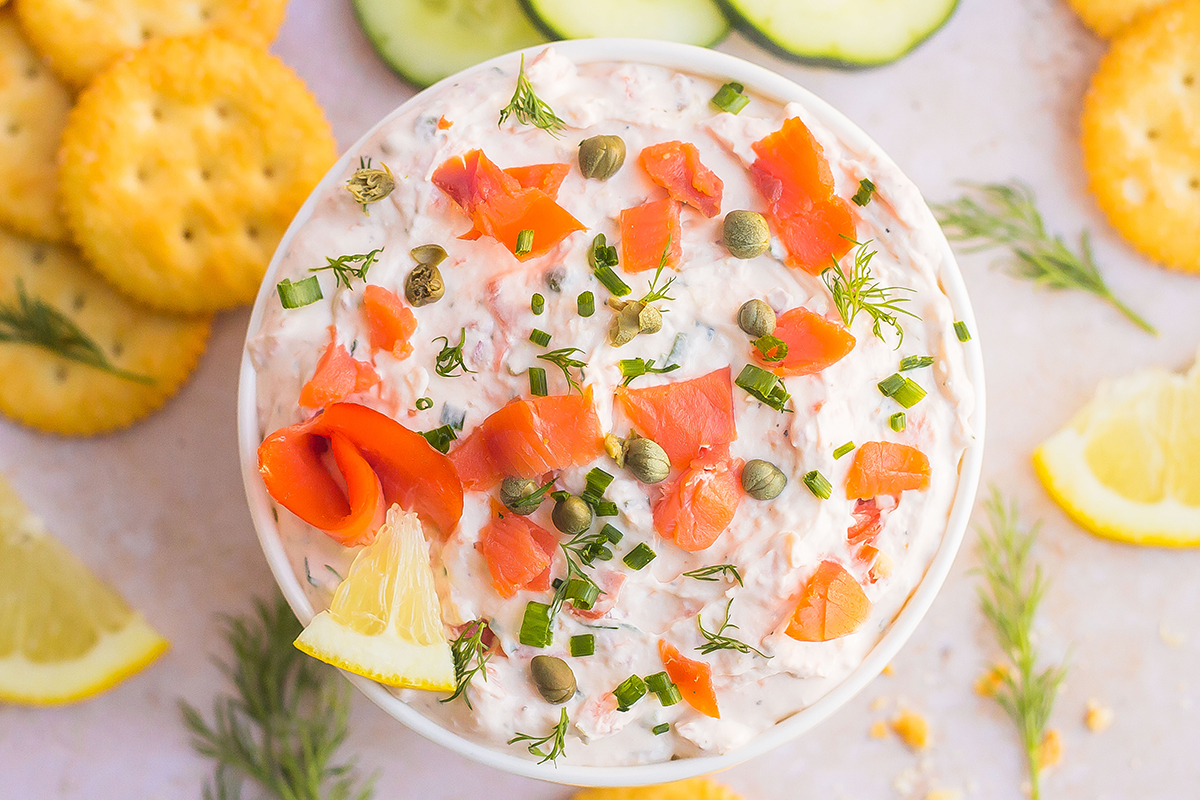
(759, 81)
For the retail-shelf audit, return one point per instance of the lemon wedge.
(385, 621)
(1127, 467)
(64, 634)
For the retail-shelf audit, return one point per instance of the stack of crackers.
(1141, 125)
(151, 156)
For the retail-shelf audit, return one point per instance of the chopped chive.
(841, 451)
(301, 293)
(586, 304)
(898, 421)
(636, 367)
(661, 684)
(764, 385)
(909, 394)
(537, 303)
(559, 496)
(629, 692)
(817, 484)
(535, 627)
(602, 259)
(524, 242)
(537, 382)
(915, 362)
(539, 337)
(730, 98)
(424, 403)
(865, 190)
(597, 481)
(660, 729)
(771, 348)
(583, 645)
(639, 556)
(440, 438)
(961, 331)
(605, 508)
(582, 593)
(614, 535)
(891, 384)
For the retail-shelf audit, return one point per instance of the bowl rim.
(762, 81)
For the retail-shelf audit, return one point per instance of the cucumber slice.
(698, 22)
(842, 33)
(424, 41)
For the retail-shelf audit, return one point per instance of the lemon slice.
(1127, 467)
(64, 635)
(385, 621)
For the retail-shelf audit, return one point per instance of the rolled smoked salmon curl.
(694, 679)
(833, 605)
(886, 468)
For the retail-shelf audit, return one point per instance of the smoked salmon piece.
(684, 417)
(528, 438)
(516, 552)
(337, 376)
(676, 167)
(814, 343)
(833, 605)
(390, 323)
(886, 468)
(698, 505)
(793, 176)
(694, 679)
(646, 232)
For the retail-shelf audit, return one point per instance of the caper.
(424, 285)
(600, 157)
(746, 234)
(571, 515)
(615, 447)
(646, 460)
(369, 185)
(554, 679)
(626, 324)
(649, 320)
(428, 254)
(756, 318)
(555, 278)
(762, 480)
(515, 490)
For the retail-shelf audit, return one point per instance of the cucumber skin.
(545, 27)
(747, 29)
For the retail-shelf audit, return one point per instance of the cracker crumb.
(1170, 637)
(912, 729)
(888, 670)
(878, 730)
(1097, 716)
(943, 794)
(1051, 750)
(990, 682)
(879, 703)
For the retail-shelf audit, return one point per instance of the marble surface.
(159, 510)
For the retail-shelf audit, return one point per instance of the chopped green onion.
(605, 508)
(639, 556)
(524, 242)
(961, 331)
(891, 384)
(898, 421)
(764, 385)
(771, 348)
(629, 692)
(660, 729)
(582, 593)
(909, 394)
(730, 98)
(424, 403)
(440, 438)
(539, 337)
(560, 495)
(915, 362)
(817, 484)
(660, 684)
(636, 367)
(841, 451)
(586, 304)
(583, 645)
(537, 303)
(614, 535)
(535, 627)
(537, 382)
(597, 481)
(602, 259)
(865, 190)
(301, 293)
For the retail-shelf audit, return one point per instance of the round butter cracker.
(1141, 135)
(33, 111)
(80, 38)
(692, 789)
(57, 395)
(182, 166)
(1108, 17)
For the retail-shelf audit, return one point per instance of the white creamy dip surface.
(776, 544)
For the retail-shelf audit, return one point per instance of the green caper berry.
(429, 254)
(746, 234)
(762, 480)
(600, 157)
(424, 285)
(756, 318)
(571, 515)
(513, 491)
(647, 460)
(554, 679)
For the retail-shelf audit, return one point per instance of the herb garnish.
(344, 270)
(865, 189)
(534, 498)
(715, 572)
(470, 658)
(602, 258)
(716, 640)
(1009, 602)
(370, 185)
(562, 358)
(859, 291)
(771, 348)
(34, 321)
(767, 387)
(637, 367)
(451, 358)
(654, 293)
(1006, 215)
(283, 725)
(529, 109)
(557, 739)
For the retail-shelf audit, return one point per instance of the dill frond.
(529, 109)
(858, 291)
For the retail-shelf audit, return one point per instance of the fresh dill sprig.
(450, 358)
(343, 266)
(470, 658)
(716, 640)
(633, 368)
(533, 499)
(654, 293)
(1009, 600)
(557, 739)
(859, 291)
(714, 573)
(529, 109)
(285, 721)
(562, 358)
(32, 320)
(1006, 215)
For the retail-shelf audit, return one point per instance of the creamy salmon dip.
(810, 578)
